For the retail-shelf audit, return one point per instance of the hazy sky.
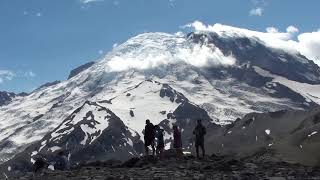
(42, 40)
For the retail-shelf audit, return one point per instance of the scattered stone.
(214, 167)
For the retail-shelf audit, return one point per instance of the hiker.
(39, 165)
(199, 131)
(160, 140)
(149, 135)
(177, 142)
(61, 162)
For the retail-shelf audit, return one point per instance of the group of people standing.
(152, 132)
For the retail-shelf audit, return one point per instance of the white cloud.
(289, 34)
(307, 44)
(29, 74)
(292, 29)
(90, 1)
(151, 50)
(6, 75)
(39, 14)
(272, 30)
(114, 45)
(256, 11)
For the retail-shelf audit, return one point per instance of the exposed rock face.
(291, 135)
(6, 97)
(79, 69)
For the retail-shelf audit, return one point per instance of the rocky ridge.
(187, 167)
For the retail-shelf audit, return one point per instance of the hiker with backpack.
(160, 141)
(39, 164)
(199, 132)
(149, 136)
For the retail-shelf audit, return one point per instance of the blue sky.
(42, 40)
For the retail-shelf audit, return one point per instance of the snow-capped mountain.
(217, 76)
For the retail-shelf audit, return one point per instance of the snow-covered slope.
(147, 100)
(92, 129)
(213, 74)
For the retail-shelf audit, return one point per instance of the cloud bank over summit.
(150, 50)
(307, 44)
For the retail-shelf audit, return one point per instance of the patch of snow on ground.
(34, 153)
(167, 146)
(55, 148)
(313, 133)
(51, 167)
(268, 132)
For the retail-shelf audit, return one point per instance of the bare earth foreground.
(187, 167)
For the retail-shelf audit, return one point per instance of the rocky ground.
(186, 167)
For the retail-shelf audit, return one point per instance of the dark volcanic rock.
(216, 167)
(6, 97)
(290, 135)
(79, 69)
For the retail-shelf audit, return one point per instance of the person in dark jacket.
(177, 142)
(199, 132)
(160, 140)
(39, 164)
(149, 136)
